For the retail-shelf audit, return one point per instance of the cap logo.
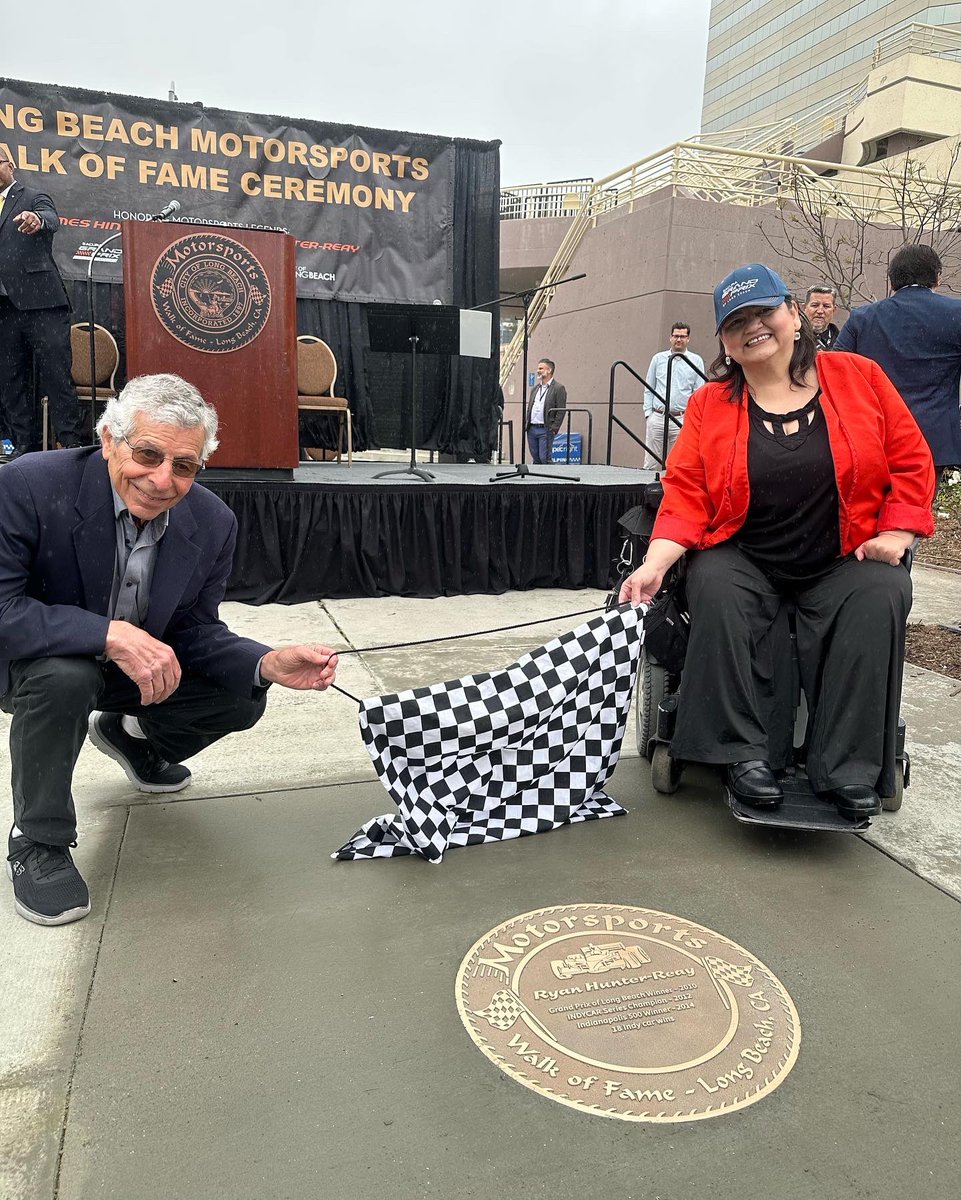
(732, 291)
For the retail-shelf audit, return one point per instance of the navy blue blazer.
(915, 337)
(58, 547)
(27, 269)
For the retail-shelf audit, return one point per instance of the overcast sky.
(571, 88)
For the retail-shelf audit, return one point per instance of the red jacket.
(882, 463)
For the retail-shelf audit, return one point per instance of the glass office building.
(770, 60)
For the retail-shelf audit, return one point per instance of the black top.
(792, 528)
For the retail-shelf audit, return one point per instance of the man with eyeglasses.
(112, 569)
(34, 318)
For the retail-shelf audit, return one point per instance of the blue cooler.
(559, 448)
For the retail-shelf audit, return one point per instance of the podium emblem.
(210, 293)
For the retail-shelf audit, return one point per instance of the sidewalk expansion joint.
(86, 1008)
(911, 870)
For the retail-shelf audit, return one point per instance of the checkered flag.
(497, 756)
(729, 973)
(502, 1011)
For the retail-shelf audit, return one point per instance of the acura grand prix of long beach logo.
(210, 293)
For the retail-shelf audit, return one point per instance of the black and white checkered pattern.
(497, 756)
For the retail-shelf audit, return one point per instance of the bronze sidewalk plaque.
(628, 1013)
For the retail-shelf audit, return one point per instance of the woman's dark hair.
(805, 352)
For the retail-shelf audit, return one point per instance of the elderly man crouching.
(112, 569)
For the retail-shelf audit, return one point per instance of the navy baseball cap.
(754, 285)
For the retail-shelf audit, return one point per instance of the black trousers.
(44, 332)
(51, 699)
(735, 689)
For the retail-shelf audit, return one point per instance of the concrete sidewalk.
(241, 1017)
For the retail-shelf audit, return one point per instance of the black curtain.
(458, 397)
(300, 542)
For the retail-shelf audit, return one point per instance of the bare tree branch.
(827, 226)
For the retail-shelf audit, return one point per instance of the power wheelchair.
(658, 695)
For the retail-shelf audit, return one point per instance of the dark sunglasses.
(146, 456)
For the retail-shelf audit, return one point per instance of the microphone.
(167, 211)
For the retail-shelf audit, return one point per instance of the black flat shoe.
(854, 800)
(753, 783)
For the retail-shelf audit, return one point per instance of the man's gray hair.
(166, 399)
(820, 289)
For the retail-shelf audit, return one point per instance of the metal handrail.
(935, 41)
(612, 420)
(725, 174)
(500, 440)
(531, 201)
(590, 430)
(669, 417)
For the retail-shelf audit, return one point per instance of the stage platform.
(335, 532)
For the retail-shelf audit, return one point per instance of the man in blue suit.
(113, 565)
(915, 337)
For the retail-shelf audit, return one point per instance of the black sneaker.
(143, 766)
(47, 888)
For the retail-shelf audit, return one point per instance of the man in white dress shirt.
(684, 380)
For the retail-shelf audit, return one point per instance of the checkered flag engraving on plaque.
(497, 756)
(729, 973)
(502, 1011)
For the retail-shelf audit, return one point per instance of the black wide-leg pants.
(736, 701)
(51, 700)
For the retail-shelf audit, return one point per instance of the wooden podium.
(218, 307)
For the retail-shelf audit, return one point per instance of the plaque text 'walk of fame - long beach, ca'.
(626, 1012)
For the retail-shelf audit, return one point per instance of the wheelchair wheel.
(652, 687)
(893, 803)
(665, 771)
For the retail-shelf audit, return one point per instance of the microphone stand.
(91, 321)
(91, 335)
(522, 470)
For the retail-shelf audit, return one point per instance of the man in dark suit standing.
(915, 337)
(545, 412)
(113, 564)
(34, 317)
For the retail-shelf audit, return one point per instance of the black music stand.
(420, 329)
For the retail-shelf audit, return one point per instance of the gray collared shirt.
(134, 567)
(135, 562)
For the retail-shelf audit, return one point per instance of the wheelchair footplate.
(801, 808)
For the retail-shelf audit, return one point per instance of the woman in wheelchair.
(797, 476)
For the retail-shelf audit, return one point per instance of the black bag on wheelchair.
(667, 624)
(667, 628)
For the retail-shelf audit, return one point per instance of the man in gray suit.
(545, 412)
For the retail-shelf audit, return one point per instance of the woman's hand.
(887, 547)
(641, 586)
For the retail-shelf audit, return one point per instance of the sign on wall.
(371, 210)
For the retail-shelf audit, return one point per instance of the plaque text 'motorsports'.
(210, 293)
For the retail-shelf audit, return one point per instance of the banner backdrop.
(371, 209)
